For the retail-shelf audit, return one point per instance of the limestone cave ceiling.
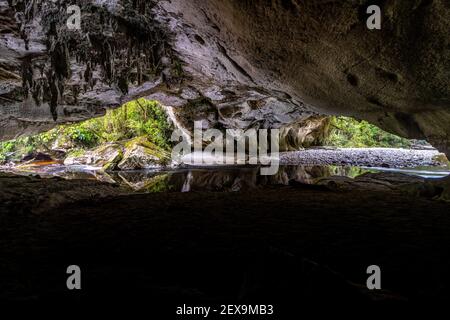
(233, 63)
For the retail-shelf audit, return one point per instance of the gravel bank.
(368, 157)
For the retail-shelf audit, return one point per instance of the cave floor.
(278, 245)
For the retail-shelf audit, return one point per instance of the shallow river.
(234, 178)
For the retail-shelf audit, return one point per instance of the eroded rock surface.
(107, 156)
(135, 154)
(142, 154)
(235, 64)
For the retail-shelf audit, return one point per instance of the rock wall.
(235, 63)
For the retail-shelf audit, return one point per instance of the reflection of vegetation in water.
(159, 183)
(137, 118)
(143, 182)
(351, 172)
(351, 133)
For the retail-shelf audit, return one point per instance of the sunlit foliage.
(137, 118)
(350, 133)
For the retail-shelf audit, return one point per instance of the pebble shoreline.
(367, 157)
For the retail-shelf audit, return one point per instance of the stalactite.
(127, 47)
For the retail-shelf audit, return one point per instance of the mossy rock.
(441, 159)
(140, 154)
(77, 157)
(63, 143)
(107, 156)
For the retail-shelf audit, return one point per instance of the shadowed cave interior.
(87, 174)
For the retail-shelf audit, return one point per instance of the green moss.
(112, 165)
(14, 150)
(149, 147)
(441, 158)
(76, 153)
(139, 118)
(177, 69)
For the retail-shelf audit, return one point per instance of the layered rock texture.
(135, 154)
(232, 63)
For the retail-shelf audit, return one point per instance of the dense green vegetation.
(350, 133)
(137, 118)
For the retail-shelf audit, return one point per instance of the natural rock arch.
(246, 63)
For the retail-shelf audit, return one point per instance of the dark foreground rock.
(289, 246)
(31, 194)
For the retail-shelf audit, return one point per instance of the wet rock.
(412, 186)
(143, 183)
(441, 189)
(222, 180)
(445, 195)
(374, 182)
(138, 153)
(441, 159)
(142, 154)
(106, 156)
(25, 194)
(79, 159)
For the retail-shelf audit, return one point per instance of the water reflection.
(232, 179)
(219, 179)
(213, 179)
(216, 179)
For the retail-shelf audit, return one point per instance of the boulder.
(106, 156)
(78, 159)
(441, 159)
(142, 154)
(304, 134)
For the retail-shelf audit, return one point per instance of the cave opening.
(131, 147)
